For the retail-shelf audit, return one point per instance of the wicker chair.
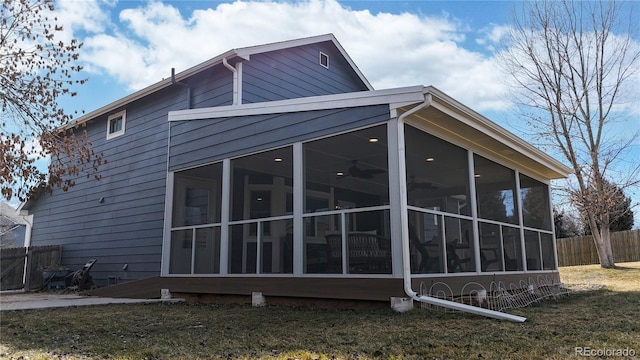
(368, 253)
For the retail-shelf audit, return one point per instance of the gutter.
(404, 223)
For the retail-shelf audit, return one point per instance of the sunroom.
(350, 196)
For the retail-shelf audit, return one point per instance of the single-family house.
(279, 169)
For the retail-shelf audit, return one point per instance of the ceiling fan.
(360, 173)
(418, 185)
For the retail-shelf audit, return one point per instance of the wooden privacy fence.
(12, 262)
(12, 265)
(581, 250)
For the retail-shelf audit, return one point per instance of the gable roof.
(244, 53)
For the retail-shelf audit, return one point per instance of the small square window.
(115, 124)
(324, 60)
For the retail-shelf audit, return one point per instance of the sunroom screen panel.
(437, 173)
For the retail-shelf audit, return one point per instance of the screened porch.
(329, 207)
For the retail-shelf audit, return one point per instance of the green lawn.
(601, 319)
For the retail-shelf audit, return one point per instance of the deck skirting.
(291, 290)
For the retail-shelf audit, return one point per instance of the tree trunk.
(602, 240)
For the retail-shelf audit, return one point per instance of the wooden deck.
(296, 290)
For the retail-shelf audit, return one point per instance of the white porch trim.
(393, 97)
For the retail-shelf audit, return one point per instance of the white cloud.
(392, 50)
(120, 58)
(82, 16)
(492, 36)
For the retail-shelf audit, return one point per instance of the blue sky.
(451, 45)
(132, 44)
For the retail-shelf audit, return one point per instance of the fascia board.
(248, 51)
(452, 107)
(244, 53)
(352, 63)
(152, 88)
(256, 49)
(408, 95)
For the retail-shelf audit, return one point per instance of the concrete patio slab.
(27, 301)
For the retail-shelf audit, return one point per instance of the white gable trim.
(248, 51)
(244, 53)
(392, 97)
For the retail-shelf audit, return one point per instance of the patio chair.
(334, 253)
(509, 263)
(485, 261)
(367, 253)
(455, 262)
(427, 262)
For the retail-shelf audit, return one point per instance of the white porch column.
(166, 231)
(474, 211)
(553, 227)
(395, 202)
(225, 216)
(523, 249)
(298, 209)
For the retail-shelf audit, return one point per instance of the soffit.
(484, 137)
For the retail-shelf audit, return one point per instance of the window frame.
(323, 60)
(123, 115)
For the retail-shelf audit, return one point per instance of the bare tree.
(37, 68)
(621, 213)
(574, 64)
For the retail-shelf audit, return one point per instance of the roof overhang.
(240, 53)
(445, 117)
(393, 97)
(460, 124)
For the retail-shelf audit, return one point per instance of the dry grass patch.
(624, 277)
(601, 319)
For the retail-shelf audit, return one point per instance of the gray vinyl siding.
(296, 72)
(203, 141)
(127, 227)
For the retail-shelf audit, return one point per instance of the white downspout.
(28, 219)
(236, 96)
(404, 224)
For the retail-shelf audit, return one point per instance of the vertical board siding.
(203, 141)
(38, 258)
(581, 250)
(296, 72)
(12, 261)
